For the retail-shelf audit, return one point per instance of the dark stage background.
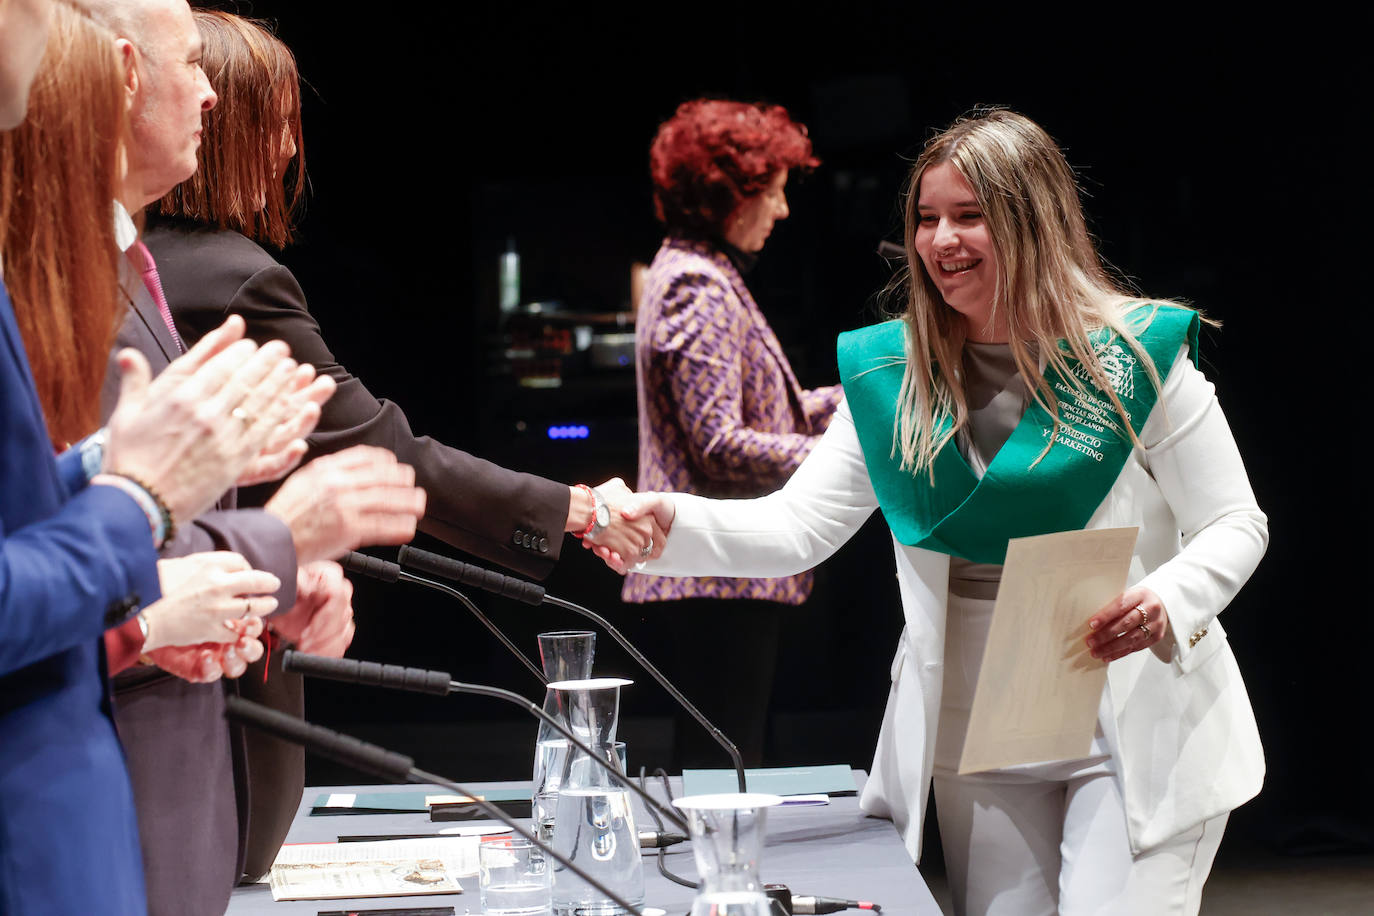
(435, 133)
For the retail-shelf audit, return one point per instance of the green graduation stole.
(961, 515)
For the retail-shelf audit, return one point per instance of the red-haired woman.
(720, 411)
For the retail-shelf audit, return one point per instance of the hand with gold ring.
(286, 446)
(175, 435)
(1132, 621)
(211, 597)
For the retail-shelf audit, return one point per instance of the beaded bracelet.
(160, 520)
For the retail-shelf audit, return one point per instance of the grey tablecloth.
(832, 851)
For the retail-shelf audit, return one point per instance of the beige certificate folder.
(386, 868)
(1039, 690)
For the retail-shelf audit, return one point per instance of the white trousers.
(1051, 837)
(1046, 846)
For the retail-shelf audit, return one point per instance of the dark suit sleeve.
(500, 515)
(68, 578)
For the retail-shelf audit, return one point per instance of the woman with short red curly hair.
(720, 411)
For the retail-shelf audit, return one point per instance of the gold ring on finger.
(1146, 630)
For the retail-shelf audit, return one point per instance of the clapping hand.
(286, 446)
(321, 621)
(207, 623)
(358, 497)
(190, 433)
(211, 661)
(204, 598)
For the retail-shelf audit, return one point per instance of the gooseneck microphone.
(388, 765)
(386, 571)
(419, 680)
(532, 593)
(888, 251)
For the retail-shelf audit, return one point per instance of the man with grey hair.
(202, 789)
(159, 47)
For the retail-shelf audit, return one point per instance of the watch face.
(603, 516)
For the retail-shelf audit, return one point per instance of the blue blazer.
(74, 560)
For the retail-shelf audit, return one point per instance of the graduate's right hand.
(657, 506)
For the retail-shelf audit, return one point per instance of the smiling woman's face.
(957, 251)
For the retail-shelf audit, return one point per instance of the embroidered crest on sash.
(1118, 362)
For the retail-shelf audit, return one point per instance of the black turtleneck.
(744, 261)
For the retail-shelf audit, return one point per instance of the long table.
(833, 850)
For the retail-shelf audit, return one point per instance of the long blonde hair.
(59, 178)
(1050, 286)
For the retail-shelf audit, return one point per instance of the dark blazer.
(500, 515)
(74, 561)
(503, 516)
(183, 758)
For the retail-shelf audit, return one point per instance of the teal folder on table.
(833, 779)
(397, 802)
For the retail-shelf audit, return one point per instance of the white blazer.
(1186, 746)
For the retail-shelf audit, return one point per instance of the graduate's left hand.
(1134, 620)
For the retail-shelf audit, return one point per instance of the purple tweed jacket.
(720, 412)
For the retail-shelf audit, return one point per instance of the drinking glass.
(514, 877)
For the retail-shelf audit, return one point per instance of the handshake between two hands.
(211, 617)
(229, 412)
(638, 529)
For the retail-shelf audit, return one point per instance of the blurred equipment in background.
(561, 384)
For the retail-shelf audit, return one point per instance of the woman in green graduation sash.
(1022, 392)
